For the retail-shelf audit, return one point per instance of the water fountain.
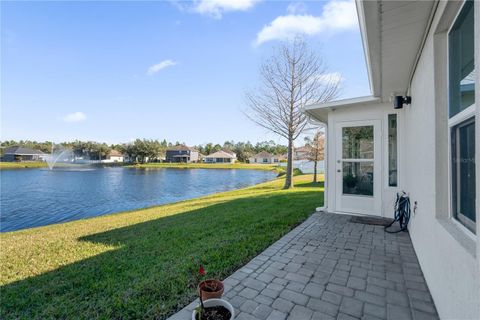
(63, 158)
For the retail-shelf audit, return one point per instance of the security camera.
(399, 101)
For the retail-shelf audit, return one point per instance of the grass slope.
(141, 264)
(22, 165)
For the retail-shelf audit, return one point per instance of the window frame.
(467, 114)
(455, 172)
(387, 149)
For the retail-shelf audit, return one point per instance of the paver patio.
(331, 268)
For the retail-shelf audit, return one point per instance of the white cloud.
(179, 4)
(75, 117)
(297, 8)
(337, 15)
(332, 77)
(160, 66)
(216, 8)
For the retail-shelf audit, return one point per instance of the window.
(357, 160)
(463, 173)
(392, 150)
(462, 116)
(461, 61)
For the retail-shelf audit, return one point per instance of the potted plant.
(211, 307)
(209, 288)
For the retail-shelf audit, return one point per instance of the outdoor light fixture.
(398, 101)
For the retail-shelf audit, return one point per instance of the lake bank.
(22, 165)
(42, 164)
(267, 167)
(38, 197)
(144, 263)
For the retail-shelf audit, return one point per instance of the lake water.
(37, 197)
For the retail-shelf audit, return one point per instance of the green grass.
(22, 165)
(142, 264)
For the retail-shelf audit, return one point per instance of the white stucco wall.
(446, 251)
(358, 113)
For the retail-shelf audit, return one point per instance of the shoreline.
(272, 179)
(22, 165)
(248, 166)
(159, 247)
(153, 165)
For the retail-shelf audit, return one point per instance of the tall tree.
(316, 153)
(295, 76)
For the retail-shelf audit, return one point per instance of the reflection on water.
(37, 197)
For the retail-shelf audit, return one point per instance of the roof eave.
(368, 11)
(319, 112)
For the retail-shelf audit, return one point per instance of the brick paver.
(330, 268)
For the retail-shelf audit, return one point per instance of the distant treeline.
(153, 150)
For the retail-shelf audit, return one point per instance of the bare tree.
(316, 145)
(291, 79)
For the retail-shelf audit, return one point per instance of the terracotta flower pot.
(210, 289)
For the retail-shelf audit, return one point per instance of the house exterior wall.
(8, 157)
(378, 112)
(448, 253)
(194, 156)
(445, 249)
(113, 159)
(301, 155)
(261, 160)
(219, 160)
(23, 157)
(170, 155)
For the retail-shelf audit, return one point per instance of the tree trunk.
(289, 175)
(315, 170)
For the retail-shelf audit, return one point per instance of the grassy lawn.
(22, 165)
(141, 264)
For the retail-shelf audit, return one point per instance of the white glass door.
(358, 167)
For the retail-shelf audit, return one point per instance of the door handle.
(339, 170)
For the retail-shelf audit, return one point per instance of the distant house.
(114, 156)
(182, 154)
(301, 153)
(17, 153)
(221, 157)
(266, 157)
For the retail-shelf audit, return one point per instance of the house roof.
(230, 152)
(21, 151)
(221, 154)
(180, 148)
(320, 111)
(393, 35)
(303, 149)
(263, 154)
(115, 153)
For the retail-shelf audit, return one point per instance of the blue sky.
(114, 71)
